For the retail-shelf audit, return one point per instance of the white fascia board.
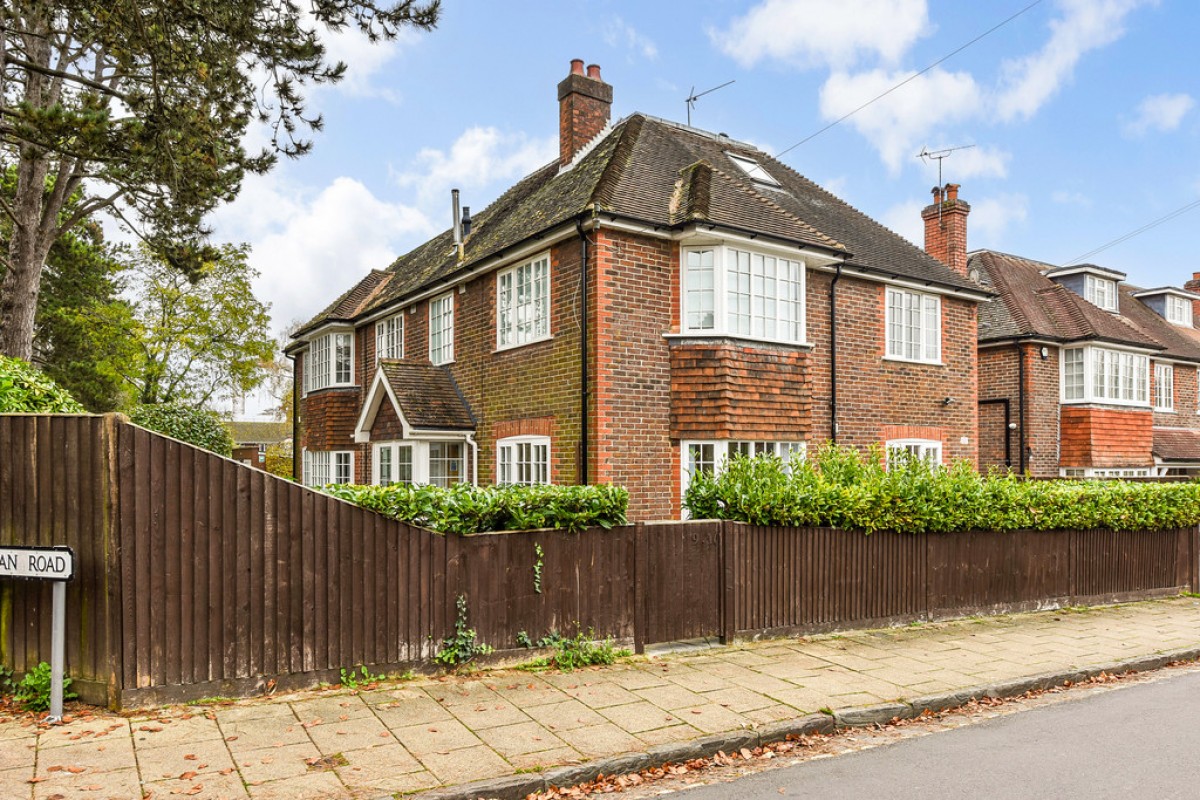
(374, 398)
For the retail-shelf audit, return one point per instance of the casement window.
(733, 292)
(329, 361)
(1164, 387)
(926, 450)
(323, 467)
(1103, 375)
(419, 461)
(441, 329)
(1178, 310)
(523, 460)
(1100, 292)
(523, 303)
(1102, 474)
(389, 337)
(914, 326)
(711, 456)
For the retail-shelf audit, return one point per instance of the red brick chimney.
(1194, 286)
(946, 228)
(584, 107)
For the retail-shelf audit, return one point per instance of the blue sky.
(1082, 113)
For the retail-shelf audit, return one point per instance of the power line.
(910, 78)
(1154, 224)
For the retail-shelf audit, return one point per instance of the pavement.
(502, 732)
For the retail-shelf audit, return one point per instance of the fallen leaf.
(227, 771)
(55, 768)
(187, 776)
(75, 770)
(190, 757)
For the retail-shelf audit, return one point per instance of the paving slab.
(434, 733)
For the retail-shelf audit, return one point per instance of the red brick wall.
(874, 392)
(1185, 414)
(329, 419)
(1106, 437)
(946, 229)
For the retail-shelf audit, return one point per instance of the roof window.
(754, 170)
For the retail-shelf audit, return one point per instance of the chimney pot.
(593, 71)
(937, 194)
(576, 66)
(952, 191)
(584, 107)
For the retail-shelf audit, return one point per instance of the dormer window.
(754, 170)
(1101, 292)
(1178, 311)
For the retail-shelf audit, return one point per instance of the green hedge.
(25, 390)
(464, 509)
(197, 426)
(845, 488)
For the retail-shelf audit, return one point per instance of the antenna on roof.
(928, 155)
(693, 97)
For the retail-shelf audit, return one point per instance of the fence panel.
(684, 583)
(983, 571)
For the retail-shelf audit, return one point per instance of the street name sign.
(37, 563)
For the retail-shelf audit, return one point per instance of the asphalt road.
(1134, 742)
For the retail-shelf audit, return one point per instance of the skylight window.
(754, 170)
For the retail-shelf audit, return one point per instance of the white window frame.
(420, 452)
(734, 294)
(1105, 473)
(321, 363)
(1164, 387)
(1177, 310)
(520, 323)
(920, 343)
(441, 308)
(756, 171)
(523, 461)
(723, 449)
(1100, 292)
(389, 337)
(322, 467)
(1125, 377)
(929, 450)
(393, 452)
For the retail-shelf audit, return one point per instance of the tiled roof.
(662, 175)
(428, 397)
(258, 432)
(1174, 444)
(1032, 305)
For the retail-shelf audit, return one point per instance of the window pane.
(445, 463)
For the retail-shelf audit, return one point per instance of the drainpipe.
(1021, 409)
(583, 355)
(474, 445)
(833, 342)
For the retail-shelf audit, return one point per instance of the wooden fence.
(199, 576)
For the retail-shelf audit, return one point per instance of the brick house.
(1084, 375)
(655, 299)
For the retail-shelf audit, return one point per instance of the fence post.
(640, 568)
(729, 574)
(114, 595)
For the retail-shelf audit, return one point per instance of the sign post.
(56, 564)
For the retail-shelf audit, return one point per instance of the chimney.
(1194, 286)
(946, 228)
(584, 107)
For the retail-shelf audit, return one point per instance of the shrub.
(33, 692)
(25, 390)
(465, 509)
(845, 488)
(196, 426)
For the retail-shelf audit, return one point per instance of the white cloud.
(905, 219)
(1159, 112)
(1084, 25)
(311, 246)
(992, 217)
(619, 33)
(898, 124)
(363, 58)
(1066, 198)
(810, 33)
(477, 158)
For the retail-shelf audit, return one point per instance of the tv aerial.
(694, 96)
(928, 155)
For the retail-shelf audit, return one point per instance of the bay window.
(735, 292)
(441, 463)
(1104, 375)
(329, 361)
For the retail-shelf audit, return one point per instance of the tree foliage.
(147, 103)
(198, 338)
(196, 426)
(24, 390)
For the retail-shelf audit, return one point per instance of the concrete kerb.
(517, 787)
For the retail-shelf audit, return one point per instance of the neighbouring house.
(252, 438)
(1082, 375)
(655, 299)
